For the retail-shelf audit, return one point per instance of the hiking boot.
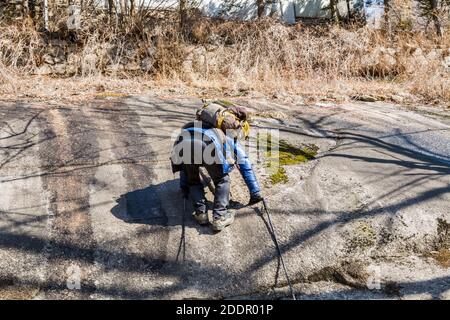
(221, 223)
(201, 218)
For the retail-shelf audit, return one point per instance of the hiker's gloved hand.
(255, 198)
(185, 191)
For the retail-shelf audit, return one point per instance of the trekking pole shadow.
(182, 245)
(271, 230)
(261, 215)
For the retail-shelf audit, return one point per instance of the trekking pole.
(278, 249)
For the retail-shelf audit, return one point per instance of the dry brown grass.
(274, 58)
(237, 58)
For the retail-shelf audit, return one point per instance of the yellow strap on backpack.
(220, 119)
(245, 129)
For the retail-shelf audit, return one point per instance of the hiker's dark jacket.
(227, 153)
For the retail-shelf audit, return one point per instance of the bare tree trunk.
(110, 7)
(45, 13)
(132, 7)
(349, 11)
(387, 20)
(280, 2)
(261, 5)
(183, 14)
(116, 14)
(123, 9)
(32, 8)
(25, 10)
(333, 9)
(387, 9)
(436, 20)
(126, 8)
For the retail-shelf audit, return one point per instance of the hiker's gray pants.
(197, 193)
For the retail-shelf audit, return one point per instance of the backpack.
(225, 116)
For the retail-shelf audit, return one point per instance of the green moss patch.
(279, 176)
(282, 153)
(289, 154)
